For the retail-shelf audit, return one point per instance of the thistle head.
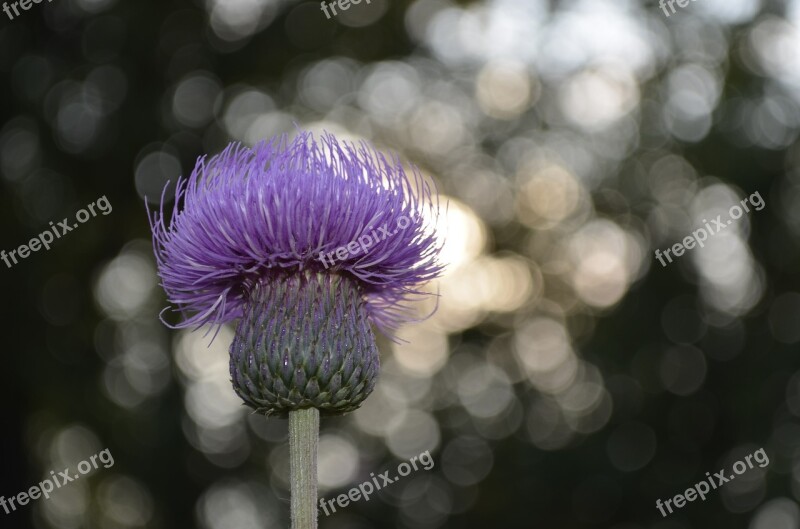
(306, 243)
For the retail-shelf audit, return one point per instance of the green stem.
(303, 440)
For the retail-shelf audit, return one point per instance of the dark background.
(567, 381)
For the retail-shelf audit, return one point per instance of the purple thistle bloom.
(277, 236)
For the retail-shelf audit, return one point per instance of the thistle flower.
(248, 239)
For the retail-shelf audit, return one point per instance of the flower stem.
(303, 440)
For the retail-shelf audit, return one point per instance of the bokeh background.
(567, 380)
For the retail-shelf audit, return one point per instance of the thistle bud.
(304, 341)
